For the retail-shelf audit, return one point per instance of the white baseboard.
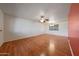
(70, 47)
(1, 44)
(23, 37)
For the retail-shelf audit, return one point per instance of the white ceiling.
(33, 11)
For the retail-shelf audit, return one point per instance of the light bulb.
(42, 20)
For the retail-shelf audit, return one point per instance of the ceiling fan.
(44, 19)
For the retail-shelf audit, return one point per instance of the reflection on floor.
(41, 45)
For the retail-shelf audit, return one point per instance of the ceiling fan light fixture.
(42, 16)
(47, 19)
(42, 20)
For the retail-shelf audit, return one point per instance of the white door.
(1, 28)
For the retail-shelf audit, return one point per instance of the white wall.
(63, 29)
(1, 28)
(16, 28)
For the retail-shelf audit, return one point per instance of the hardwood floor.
(48, 45)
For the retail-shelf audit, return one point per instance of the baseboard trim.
(1, 44)
(70, 47)
(23, 37)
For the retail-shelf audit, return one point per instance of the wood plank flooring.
(41, 45)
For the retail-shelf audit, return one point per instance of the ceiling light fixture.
(44, 19)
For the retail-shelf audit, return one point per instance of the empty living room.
(39, 29)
